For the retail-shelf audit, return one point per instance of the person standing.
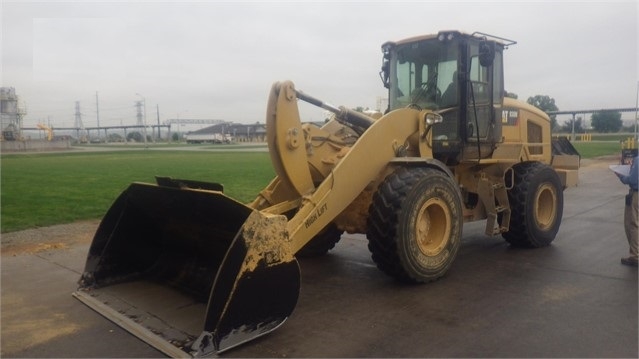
(631, 213)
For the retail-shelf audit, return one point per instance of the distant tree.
(579, 126)
(135, 136)
(175, 137)
(115, 137)
(606, 121)
(512, 95)
(546, 104)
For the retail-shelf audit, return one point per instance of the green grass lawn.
(596, 149)
(46, 189)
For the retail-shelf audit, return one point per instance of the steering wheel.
(427, 91)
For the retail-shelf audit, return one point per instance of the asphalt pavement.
(571, 299)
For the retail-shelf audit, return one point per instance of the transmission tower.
(79, 126)
(382, 103)
(141, 118)
(138, 106)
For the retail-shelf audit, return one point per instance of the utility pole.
(97, 112)
(97, 115)
(157, 109)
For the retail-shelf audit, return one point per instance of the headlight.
(445, 36)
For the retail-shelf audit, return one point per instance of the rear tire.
(415, 224)
(537, 204)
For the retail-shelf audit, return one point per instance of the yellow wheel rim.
(545, 206)
(433, 226)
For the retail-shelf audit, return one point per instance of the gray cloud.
(213, 59)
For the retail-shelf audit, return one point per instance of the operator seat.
(449, 97)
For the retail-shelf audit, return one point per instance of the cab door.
(484, 97)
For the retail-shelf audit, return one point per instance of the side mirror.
(384, 74)
(486, 53)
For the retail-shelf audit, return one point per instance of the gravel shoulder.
(36, 240)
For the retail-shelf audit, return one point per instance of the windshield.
(425, 75)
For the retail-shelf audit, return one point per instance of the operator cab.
(457, 75)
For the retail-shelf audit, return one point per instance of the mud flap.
(192, 267)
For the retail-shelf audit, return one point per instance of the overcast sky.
(217, 60)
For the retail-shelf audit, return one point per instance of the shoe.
(629, 261)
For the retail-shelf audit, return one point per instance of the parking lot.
(571, 299)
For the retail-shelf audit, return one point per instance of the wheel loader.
(194, 272)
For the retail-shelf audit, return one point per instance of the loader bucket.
(190, 271)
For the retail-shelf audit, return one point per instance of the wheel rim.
(545, 206)
(433, 226)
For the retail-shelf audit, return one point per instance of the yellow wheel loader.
(194, 272)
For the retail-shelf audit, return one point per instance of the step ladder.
(492, 192)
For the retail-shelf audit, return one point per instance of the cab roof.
(451, 34)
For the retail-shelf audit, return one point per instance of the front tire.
(537, 204)
(323, 242)
(415, 224)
